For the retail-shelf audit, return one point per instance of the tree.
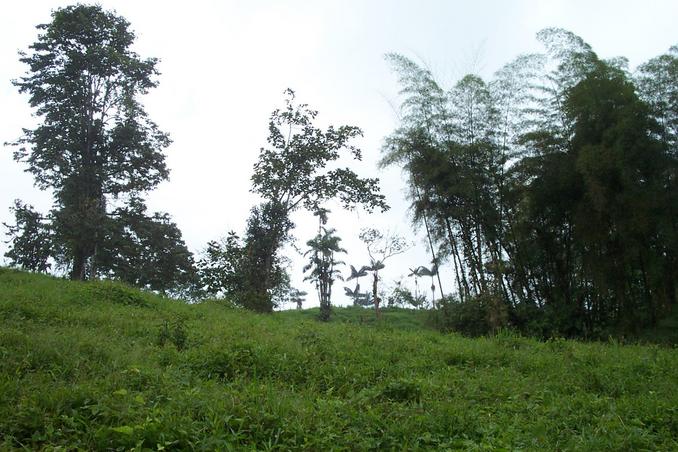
(231, 268)
(322, 265)
(30, 239)
(220, 267)
(95, 141)
(658, 86)
(292, 173)
(264, 278)
(401, 296)
(147, 251)
(355, 274)
(551, 188)
(297, 297)
(380, 247)
(416, 274)
(433, 271)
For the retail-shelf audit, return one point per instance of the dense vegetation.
(98, 152)
(99, 365)
(550, 190)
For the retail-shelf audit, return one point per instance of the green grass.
(81, 367)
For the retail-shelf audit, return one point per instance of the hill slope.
(82, 366)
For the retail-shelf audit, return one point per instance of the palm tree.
(380, 247)
(353, 294)
(374, 267)
(364, 299)
(433, 271)
(322, 266)
(355, 274)
(298, 296)
(414, 272)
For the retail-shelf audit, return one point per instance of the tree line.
(99, 153)
(550, 189)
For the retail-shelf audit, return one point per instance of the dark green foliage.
(174, 332)
(98, 151)
(292, 170)
(91, 375)
(401, 391)
(30, 239)
(219, 269)
(552, 190)
(147, 251)
(478, 316)
(292, 173)
(322, 265)
(265, 280)
(114, 292)
(232, 268)
(402, 297)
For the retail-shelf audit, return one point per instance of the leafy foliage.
(551, 187)
(147, 251)
(233, 267)
(322, 266)
(95, 145)
(293, 172)
(30, 238)
(80, 371)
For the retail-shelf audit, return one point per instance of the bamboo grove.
(551, 188)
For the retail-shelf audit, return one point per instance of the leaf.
(120, 392)
(124, 429)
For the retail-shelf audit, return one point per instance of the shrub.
(115, 292)
(478, 316)
(401, 391)
(174, 332)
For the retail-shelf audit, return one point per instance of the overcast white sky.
(225, 64)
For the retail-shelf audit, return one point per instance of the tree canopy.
(96, 148)
(550, 187)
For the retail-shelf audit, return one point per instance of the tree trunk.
(377, 310)
(78, 270)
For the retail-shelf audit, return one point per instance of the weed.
(80, 369)
(173, 332)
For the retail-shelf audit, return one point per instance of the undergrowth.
(101, 366)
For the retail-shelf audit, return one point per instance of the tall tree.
(551, 188)
(292, 173)
(94, 141)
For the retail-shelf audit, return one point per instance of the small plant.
(174, 332)
(401, 391)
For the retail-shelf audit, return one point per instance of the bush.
(401, 391)
(478, 316)
(174, 332)
(115, 292)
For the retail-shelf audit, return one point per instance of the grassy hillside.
(82, 367)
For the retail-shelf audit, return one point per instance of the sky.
(225, 64)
